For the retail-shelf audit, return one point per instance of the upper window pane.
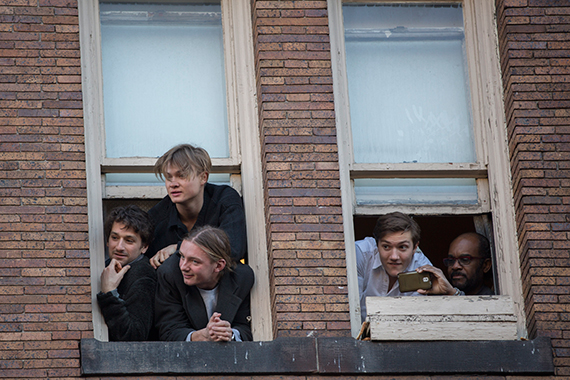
(163, 78)
(408, 83)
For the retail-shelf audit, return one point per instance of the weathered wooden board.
(442, 318)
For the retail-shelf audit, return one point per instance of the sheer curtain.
(163, 78)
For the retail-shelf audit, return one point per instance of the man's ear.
(144, 249)
(220, 265)
(204, 177)
(487, 264)
(416, 246)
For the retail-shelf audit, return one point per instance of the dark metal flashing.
(318, 356)
(436, 357)
(120, 358)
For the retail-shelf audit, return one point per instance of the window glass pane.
(417, 191)
(408, 83)
(148, 179)
(132, 179)
(163, 78)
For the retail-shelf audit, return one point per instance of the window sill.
(317, 356)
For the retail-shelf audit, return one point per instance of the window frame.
(492, 169)
(244, 163)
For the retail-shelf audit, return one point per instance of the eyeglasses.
(463, 260)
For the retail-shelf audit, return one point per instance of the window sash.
(448, 171)
(409, 157)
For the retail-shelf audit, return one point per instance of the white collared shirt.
(372, 277)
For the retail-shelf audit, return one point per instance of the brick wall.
(304, 216)
(535, 54)
(44, 263)
(45, 302)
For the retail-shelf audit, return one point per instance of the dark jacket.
(222, 208)
(130, 317)
(179, 308)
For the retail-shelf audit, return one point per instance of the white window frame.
(244, 162)
(492, 169)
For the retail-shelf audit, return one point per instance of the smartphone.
(412, 281)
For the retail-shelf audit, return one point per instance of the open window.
(156, 74)
(421, 127)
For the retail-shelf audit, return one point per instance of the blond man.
(192, 202)
(202, 294)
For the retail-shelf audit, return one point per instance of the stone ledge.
(318, 356)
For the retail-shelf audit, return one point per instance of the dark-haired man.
(128, 282)
(394, 249)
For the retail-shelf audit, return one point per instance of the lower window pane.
(148, 179)
(420, 191)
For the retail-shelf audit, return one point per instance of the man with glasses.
(468, 260)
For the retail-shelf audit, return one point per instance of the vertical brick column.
(45, 302)
(534, 40)
(298, 139)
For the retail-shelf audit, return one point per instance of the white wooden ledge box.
(442, 318)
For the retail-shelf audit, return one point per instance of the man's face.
(467, 277)
(124, 244)
(181, 188)
(197, 268)
(396, 252)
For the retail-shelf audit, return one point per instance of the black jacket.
(179, 308)
(222, 208)
(130, 317)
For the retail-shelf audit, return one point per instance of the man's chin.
(394, 272)
(175, 198)
(459, 284)
(121, 260)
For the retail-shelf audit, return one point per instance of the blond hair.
(190, 160)
(214, 242)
